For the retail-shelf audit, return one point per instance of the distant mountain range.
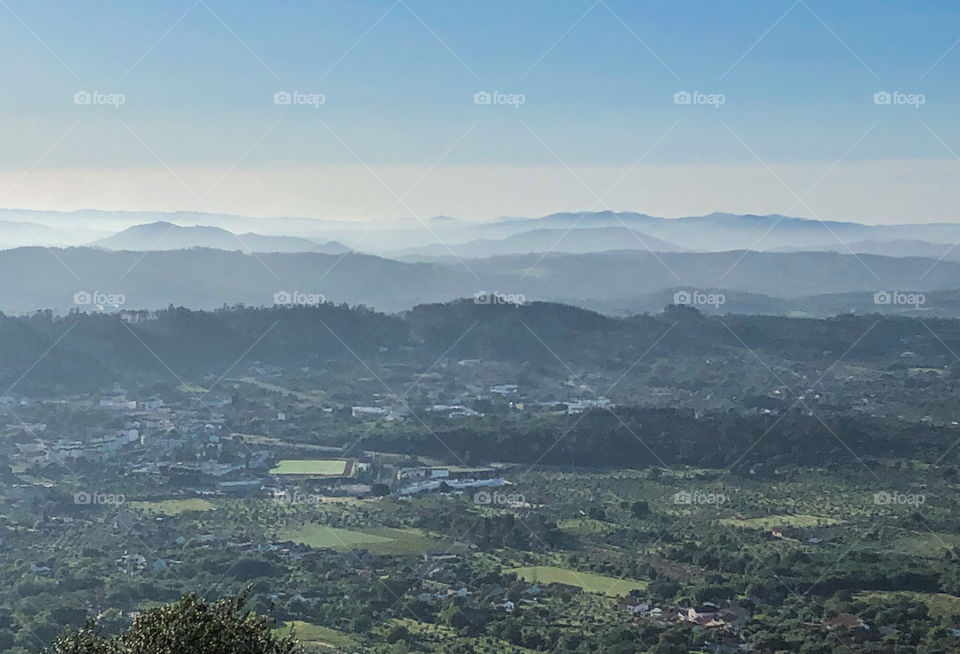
(19, 233)
(561, 232)
(724, 231)
(618, 263)
(572, 241)
(895, 248)
(614, 282)
(168, 236)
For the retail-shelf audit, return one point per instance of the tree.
(640, 509)
(190, 625)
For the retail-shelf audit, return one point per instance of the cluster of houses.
(706, 615)
(426, 479)
(95, 449)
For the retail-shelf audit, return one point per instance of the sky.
(409, 108)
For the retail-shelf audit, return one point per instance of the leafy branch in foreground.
(189, 625)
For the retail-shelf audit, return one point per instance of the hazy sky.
(182, 111)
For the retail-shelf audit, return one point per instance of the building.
(367, 411)
(416, 474)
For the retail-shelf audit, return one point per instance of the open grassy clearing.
(591, 582)
(941, 605)
(927, 544)
(378, 540)
(324, 467)
(585, 526)
(317, 638)
(439, 635)
(174, 507)
(781, 520)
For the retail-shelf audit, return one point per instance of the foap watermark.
(899, 98)
(899, 298)
(496, 97)
(99, 97)
(698, 97)
(86, 498)
(99, 299)
(299, 97)
(699, 298)
(883, 498)
(298, 299)
(496, 498)
(496, 297)
(699, 498)
(296, 498)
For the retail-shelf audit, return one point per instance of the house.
(361, 411)
(656, 614)
(239, 487)
(580, 406)
(847, 621)
(118, 402)
(467, 473)
(132, 561)
(705, 610)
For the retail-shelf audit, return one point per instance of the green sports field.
(317, 467)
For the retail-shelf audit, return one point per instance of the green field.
(434, 637)
(379, 540)
(316, 638)
(174, 507)
(940, 605)
(930, 544)
(585, 526)
(588, 581)
(319, 467)
(785, 520)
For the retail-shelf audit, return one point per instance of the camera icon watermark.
(697, 97)
(496, 297)
(698, 298)
(885, 498)
(298, 299)
(97, 97)
(899, 98)
(86, 498)
(699, 498)
(299, 98)
(898, 298)
(99, 299)
(496, 498)
(496, 97)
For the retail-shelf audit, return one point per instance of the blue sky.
(598, 82)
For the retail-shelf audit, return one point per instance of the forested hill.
(818, 283)
(83, 350)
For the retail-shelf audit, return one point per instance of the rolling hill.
(618, 281)
(163, 235)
